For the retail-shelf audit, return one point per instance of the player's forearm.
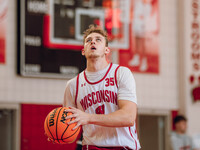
(119, 118)
(123, 117)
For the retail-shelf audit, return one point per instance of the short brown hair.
(179, 118)
(95, 29)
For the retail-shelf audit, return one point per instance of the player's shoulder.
(122, 69)
(72, 82)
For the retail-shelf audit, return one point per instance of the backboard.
(68, 19)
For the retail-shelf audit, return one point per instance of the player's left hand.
(81, 118)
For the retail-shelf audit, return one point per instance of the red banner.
(143, 55)
(3, 13)
(194, 78)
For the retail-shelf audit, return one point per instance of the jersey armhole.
(77, 84)
(116, 76)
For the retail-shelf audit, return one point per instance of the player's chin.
(92, 56)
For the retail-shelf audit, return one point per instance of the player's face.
(181, 126)
(95, 46)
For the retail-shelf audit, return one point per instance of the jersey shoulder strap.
(77, 83)
(116, 75)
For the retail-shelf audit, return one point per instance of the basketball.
(57, 129)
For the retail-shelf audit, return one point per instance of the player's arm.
(69, 94)
(123, 117)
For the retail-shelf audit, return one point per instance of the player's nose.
(93, 41)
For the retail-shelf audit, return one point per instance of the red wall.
(174, 113)
(32, 129)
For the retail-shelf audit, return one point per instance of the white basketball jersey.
(101, 98)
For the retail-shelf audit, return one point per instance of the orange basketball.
(57, 129)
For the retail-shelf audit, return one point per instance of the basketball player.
(102, 98)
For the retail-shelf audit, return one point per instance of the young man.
(179, 139)
(102, 98)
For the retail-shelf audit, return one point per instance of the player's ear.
(107, 50)
(83, 52)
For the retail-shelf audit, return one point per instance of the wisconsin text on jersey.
(98, 97)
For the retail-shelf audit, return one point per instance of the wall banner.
(194, 78)
(3, 18)
(143, 54)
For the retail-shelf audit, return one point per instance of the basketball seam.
(49, 128)
(57, 124)
(65, 130)
(70, 135)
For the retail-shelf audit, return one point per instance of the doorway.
(152, 132)
(6, 129)
(9, 126)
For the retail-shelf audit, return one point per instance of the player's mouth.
(93, 48)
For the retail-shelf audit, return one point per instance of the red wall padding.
(174, 113)
(32, 129)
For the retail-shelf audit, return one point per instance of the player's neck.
(94, 65)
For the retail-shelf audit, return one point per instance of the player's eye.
(88, 40)
(98, 39)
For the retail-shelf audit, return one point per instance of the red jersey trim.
(133, 137)
(77, 83)
(99, 80)
(116, 76)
